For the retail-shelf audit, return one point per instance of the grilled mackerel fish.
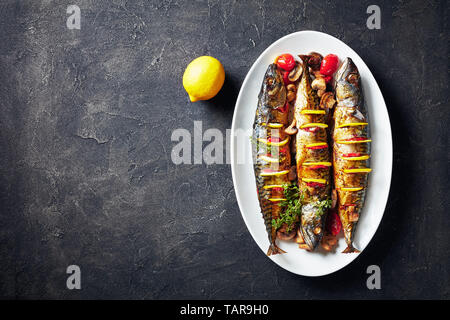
(351, 149)
(271, 155)
(313, 161)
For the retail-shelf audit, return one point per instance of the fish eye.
(353, 78)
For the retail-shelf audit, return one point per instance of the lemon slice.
(276, 199)
(316, 144)
(356, 158)
(269, 159)
(312, 124)
(328, 164)
(352, 124)
(308, 111)
(273, 186)
(314, 180)
(352, 189)
(360, 170)
(275, 125)
(353, 141)
(275, 173)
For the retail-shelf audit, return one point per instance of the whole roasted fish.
(313, 161)
(271, 155)
(351, 150)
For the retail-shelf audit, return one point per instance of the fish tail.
(274, 249)
(350, 249)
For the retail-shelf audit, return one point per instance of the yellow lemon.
(203, 78)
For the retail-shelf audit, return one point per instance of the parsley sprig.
(293, 207)
(322, 206)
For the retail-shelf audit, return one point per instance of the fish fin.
(350, 249)
(274, 249)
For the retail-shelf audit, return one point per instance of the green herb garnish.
(293, 205)
(322, 206)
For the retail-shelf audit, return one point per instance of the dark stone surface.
(86, 176)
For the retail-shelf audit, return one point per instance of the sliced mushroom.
(292, 128)
(327, 100)
(317, 74)
(304, 246)
(290, 96)
(328, 241)
(299, 238)
(295, 74)
(331, 240)
(283, 235)
(320, 92)
(319, 84)
(291, 87)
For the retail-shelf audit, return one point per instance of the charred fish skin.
(271, 156)
(351, 149)
(313, 160)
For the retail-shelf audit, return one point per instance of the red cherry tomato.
(316, 167)
(356, 139)
(318, 147)
(315, 184)
(286, 78)
(353, 154)
(334, 224)
(286, 62)
(329, 65)
(328, 79)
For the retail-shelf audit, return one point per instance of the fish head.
(311, 226)
(347, 84)
(273, 90)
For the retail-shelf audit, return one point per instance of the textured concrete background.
(86, 176)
